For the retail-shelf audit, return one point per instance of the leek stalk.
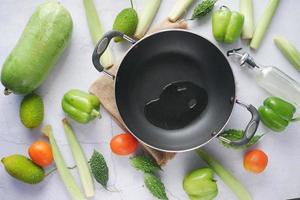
(62, 168)
(81, 161)
(179, 9)
(146, 17)
(264, 23)
(225, 175)
(97, 31)
(246, 8)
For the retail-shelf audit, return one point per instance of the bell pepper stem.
(295, 119)
(96, 113)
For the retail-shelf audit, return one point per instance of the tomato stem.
(7, 91)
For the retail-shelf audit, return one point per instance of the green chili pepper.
(199, 184)
(81, 106)
(227, 25)
(276, 113)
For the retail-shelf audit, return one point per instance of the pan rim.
(165, 149)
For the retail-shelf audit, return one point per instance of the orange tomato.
(40, 153)
(255, 161)
(123, 144)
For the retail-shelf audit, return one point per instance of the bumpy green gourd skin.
(23, 169)
(155, 186)
(43, 40)
(144, 164)
(32, 111)
(126, 22)
(99, 168)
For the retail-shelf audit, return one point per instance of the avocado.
(126, 22)
(23, 169)
(32, 111)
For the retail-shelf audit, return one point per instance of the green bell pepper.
(227, 25)
(276, 113)
(199, 184)
(81, 106)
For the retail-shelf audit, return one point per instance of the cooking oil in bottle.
(272, 79)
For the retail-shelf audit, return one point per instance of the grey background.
(281, 179)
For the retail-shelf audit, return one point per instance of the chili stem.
(296, 119)
(131, 4)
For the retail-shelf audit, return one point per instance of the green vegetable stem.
(179, 8)
(288, 50)
(146, 17)
(199, 184)
(227, 25)
(62, 168)
(276, 113)
(246, 8)
(239, 190)
(263, 23)
(81, 106)
(96, 31)
(80, 159)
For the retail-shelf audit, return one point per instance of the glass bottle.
(272, 79)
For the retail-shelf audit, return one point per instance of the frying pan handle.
(250, 128)
(102, 46)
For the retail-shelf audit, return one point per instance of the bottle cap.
(244, 58)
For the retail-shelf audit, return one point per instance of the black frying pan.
(163, 58)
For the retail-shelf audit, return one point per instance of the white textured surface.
(281, 180)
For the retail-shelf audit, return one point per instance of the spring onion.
(288, 50)
(97, 31)
(264, 23)
(246, 8)
(225, 175)
(62, 168)
(179, 9)
(80, 159)
(146, 17)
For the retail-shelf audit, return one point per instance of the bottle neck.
(244, 58)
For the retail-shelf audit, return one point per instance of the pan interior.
(168, 57)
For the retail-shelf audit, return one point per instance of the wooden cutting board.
(103, 88)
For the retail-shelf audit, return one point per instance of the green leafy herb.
(144, 164)
(155, 186)
(203, 8)
(233, 135)
(99, 168)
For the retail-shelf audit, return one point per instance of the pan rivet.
(231, 99)
(214, 133)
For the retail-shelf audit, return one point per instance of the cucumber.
(42, 42)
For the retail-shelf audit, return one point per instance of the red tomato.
(255, 161)
(123, 144)
(40, 153)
